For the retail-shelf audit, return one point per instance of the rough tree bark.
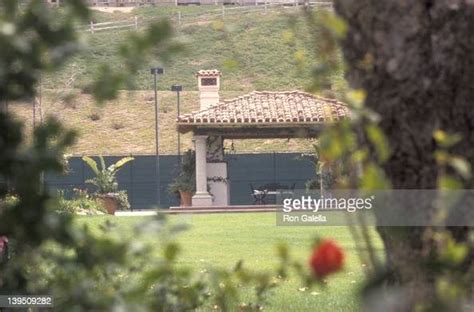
(415, 59)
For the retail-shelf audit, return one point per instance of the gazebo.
(260, 114)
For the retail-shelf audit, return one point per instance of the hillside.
(258, 51)
(127, 125)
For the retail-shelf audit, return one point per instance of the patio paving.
(196, 210)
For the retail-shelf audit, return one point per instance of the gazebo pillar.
(202, 196)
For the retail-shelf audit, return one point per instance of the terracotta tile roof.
(208, 72)
(270, 108)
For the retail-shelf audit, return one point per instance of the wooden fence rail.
(142, 3)
(187, 18)
(127, 23)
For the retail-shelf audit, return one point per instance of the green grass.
(254, 51)
(220, 240)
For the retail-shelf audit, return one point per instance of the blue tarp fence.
(139, 177)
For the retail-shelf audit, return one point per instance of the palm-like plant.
(105, 178)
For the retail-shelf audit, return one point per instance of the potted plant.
(106, 182)
(185, 183)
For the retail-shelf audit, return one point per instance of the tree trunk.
(415, 60)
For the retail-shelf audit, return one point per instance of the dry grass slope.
(127, 125)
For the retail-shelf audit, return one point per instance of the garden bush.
(81, 203)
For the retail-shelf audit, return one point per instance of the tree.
(415, 60)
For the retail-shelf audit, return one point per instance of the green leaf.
(80, 9)
(359, 155)
(282, 251)
(238, 266)
(447, 182)
(171, 251)
(446, 140)
(454, 252)
(447, 289)
(458, 253)
(379, 141)
(373, 178)
(102, 163)
(91, 163)
(441, 157)
(356, 97)
(119, 164)
(461, 166)
(335, 24)
(336, 142)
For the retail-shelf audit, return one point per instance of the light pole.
(157, 71)
(178, 89)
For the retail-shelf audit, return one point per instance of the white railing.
(139, 3)
(208, 15)
(127, 23)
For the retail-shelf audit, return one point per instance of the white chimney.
(209, 85)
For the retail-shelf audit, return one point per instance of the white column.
(201, 174)
(202, 196)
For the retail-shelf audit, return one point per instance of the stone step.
(196, 210)
(232, 210)
(234, 207)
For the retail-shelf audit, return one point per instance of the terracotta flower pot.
(185, 198)
(110, 203)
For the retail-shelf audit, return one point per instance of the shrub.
(117, 125)
(81, 203)
(69, 99)
(122, 198)
(315, 184)
(94, 116)
(87, 89)
(9, 200)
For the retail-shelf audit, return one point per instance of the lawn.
(223, 239)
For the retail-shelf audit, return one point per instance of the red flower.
(327, 258)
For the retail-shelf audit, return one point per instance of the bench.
(274, 189)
